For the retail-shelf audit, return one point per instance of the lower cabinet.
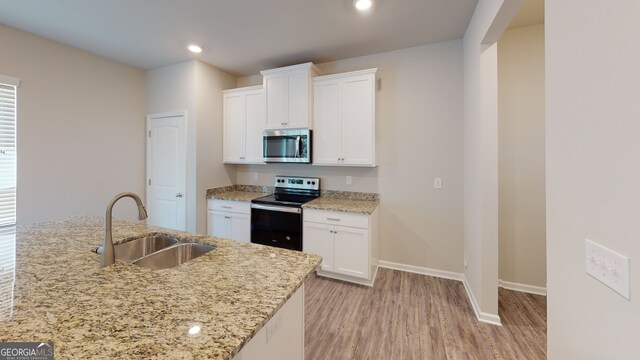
(282, 337)
(229, 220)
(348, 244)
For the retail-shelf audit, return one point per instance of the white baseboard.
(531, 289)
(481, 316)
(422, 270)
(484, 317)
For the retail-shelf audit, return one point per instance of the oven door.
(278, 226)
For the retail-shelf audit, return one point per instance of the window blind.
(8, 110)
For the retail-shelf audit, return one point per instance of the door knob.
(179, 195)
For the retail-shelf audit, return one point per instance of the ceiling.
(239, 36)
(531, 13)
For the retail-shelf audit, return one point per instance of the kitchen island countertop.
(126, 311)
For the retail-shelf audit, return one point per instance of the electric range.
(276, 219)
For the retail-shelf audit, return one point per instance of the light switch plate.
(607, 266)
(437, 183)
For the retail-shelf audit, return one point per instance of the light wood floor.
(411, 316)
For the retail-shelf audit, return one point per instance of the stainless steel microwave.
(287, 146)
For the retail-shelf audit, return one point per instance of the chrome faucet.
(108, 255)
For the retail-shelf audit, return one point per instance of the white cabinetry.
(243, 124)
(348, 244)
(344, 119)
(229, 219)
(289, 96)
(282, 337)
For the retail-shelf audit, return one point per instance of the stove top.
(291, 191)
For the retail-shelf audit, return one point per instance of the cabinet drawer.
(336, 218)
(239, 207)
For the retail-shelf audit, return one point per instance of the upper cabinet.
(344, 119)
(243, 125)
(289, 96)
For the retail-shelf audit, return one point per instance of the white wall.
(419, 109)
(522, 226)
(481, 152)
(81, 121)
(211, 172)
(593, 173)
(196, 88)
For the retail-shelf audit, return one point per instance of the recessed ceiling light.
(194, 330)
(195, 48)
(362, 5)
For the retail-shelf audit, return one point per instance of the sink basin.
(173, 256)
(137, 248)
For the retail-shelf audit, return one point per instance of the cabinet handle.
(333, 219)
(226, 207)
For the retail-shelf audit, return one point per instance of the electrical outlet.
(607, 266)
(349, 180)
(255, 176)
(437, 183)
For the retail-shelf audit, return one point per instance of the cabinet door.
(298, 99)
(276, 93)
(240, 227)
(318, 240)
(219, 224)
(326, 115)
(233, 128)
(351, 252)
(358, 120)
(254, 126)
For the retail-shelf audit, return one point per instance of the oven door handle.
(292, 210)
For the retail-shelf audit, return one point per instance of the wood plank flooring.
(411, 316)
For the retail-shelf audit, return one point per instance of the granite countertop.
(126, 311)
(235, 195)
(330, 200)
(342, 205)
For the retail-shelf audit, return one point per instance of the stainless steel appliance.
(287, 146)
(276, 219)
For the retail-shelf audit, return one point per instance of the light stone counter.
(125, 311)
(234, 195)
(331, 200)
(342, 205)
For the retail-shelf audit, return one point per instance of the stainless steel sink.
(137, 248)
(173, 256)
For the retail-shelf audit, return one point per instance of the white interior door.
(166, 171)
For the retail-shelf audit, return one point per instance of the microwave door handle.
(297, 146)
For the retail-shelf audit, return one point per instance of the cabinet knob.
(179, 195)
